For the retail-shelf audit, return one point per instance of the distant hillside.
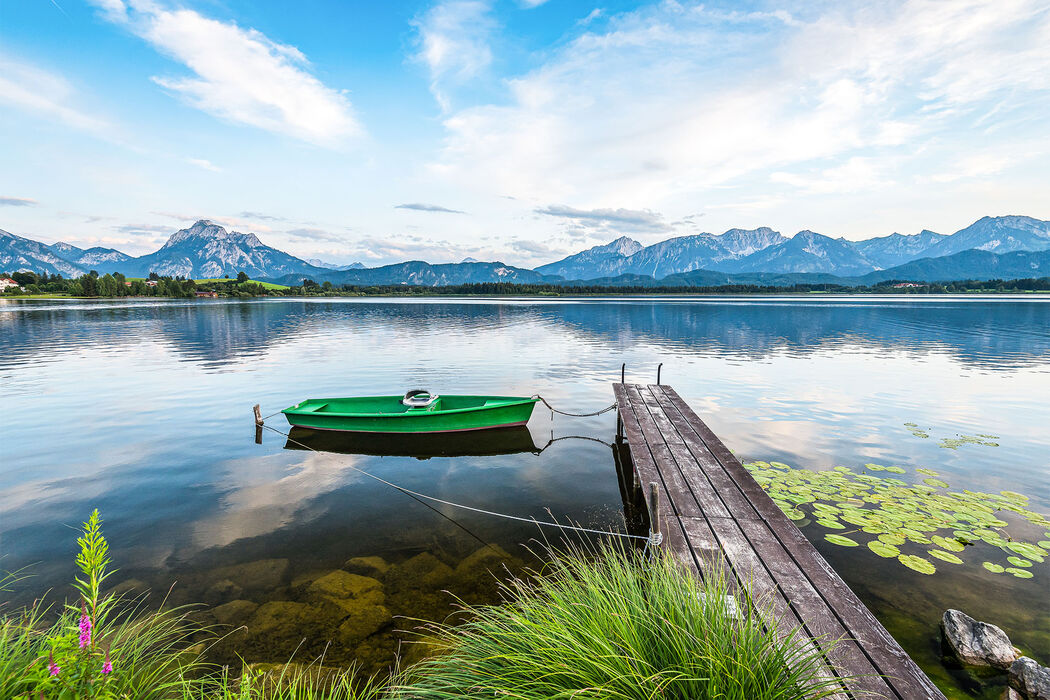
(897, 249)
(806, 251)
(17, 253)
(596, 261)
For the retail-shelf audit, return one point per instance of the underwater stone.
(1030, 678)
(277, 626)
(977, 643)
(421, 571)
(363, 621)
(264, 574)
(367, 566)
(129, 587)
(222, 591)
(234, 612)
(348, 591)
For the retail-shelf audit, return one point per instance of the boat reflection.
(473, 443)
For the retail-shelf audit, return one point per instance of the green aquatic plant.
(616, 625)
(957, 442)
(926, 517)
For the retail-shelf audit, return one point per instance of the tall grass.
(616, 626)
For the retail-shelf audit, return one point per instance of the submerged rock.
(977, 643)
(129, 588)
(367, 566)
(1030, 678)
(235, 612)
(346, 590)
(421, 571)
(261, 575)
(222, 592)
(276, 627)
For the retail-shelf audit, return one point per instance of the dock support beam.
(656, 535)
(258, 414)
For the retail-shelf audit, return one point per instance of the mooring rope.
(574, 415)
(410, 492)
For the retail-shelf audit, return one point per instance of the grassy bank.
(607, 623)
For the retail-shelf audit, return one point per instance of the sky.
(517, 130)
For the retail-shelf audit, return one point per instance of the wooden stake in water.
(258, 414)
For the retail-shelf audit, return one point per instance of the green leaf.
(895, 470)
(883, 550)
(946, 556)
(1018, 561)
(930, 481)
(1020, 573)
(841, 540)
(994, 568)
(923, 566)
(831, 523)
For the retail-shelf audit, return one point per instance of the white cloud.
(671, 101)
(453, 38)
(205, 164)
(240, 75)
(39, 91)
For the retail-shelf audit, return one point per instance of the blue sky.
(518, 130)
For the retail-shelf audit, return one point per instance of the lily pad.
(923, 566)
(1018, 561)
(927, 472)
(945, 556)
(935, 482)
(841, 540)
(896, 470)
(946, 543)
(832, 524)
(1020, 573)
(994, 568)
(883, 550)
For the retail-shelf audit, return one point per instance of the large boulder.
(276, 628)
(1010, 694)
(977, 643)
(1030, 678)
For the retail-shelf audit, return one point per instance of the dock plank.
(720, 519)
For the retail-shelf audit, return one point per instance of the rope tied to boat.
(542, 523)
(574, 415)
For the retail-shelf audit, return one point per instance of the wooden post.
(658, 368)
(258, 414)
(623, 372)
(655, 534)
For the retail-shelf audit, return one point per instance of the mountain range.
(992, 247)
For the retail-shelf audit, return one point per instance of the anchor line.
(574, 415)
(507, 516)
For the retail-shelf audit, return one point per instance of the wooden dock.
(715, 514)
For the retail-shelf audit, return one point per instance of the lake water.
(143, 410)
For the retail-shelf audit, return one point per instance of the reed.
(612, 624)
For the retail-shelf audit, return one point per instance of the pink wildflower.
(107, 667)
(52, 667)
(85, 630)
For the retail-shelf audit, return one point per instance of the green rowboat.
(416, 412)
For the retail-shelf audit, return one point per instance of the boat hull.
(387, 415)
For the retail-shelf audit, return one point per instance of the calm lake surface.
(143, 410)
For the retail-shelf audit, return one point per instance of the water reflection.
(993, 335)
(144, 411)
(477, 443)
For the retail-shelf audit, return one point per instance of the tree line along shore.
(112, 285)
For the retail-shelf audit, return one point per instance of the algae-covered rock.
(477, 577)
(261, 575)
(277, 627)
(363, 622)
(421, 571)
(235, 612)
(367, 566)
(348, 591)
(1011, 694)
(222, 591)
